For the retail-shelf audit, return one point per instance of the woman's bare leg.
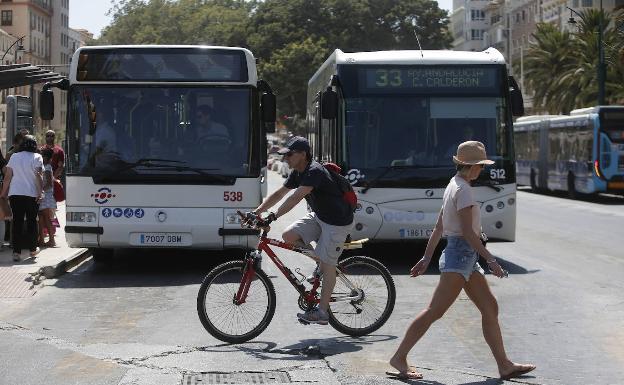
(479, 292)
(41, 224)
(49, 214)
(448, 289)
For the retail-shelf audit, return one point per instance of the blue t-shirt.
(326, 198)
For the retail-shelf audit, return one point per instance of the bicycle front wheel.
(363, 298)
(222, 317)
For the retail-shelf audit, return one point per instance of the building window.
(587, 3)
(477, 14)
(6, 18)
(476, 34)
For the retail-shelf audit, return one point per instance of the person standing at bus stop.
(459, 220)
(24, 186)
(329, 223)
(58, 155)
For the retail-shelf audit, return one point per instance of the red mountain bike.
(236, 300)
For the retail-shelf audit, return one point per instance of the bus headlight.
(489, 208)
(80, 217)
(511, 201)
(500, 205)
(232, 218)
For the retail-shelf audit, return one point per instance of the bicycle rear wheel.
(372, 283)
(222, 317)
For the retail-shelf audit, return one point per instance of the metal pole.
(601, 61)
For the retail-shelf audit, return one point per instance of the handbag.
(59, 191)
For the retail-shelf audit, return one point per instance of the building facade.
(44, 24)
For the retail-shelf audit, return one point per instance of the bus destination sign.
(429, 79)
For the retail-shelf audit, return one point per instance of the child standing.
(48, 203)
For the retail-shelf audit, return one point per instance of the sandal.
(410, 375)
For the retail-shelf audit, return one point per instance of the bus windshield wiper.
(146, 162)
(386, 170)
(489, 184)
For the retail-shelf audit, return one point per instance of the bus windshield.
(421, 128)
(138, 133)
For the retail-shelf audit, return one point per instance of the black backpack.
(348, 194)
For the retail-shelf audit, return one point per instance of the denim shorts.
(459, 257)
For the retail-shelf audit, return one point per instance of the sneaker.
(17, 257)
(35, 252)
(314, 316)
(316, 273)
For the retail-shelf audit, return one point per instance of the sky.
(91, 14)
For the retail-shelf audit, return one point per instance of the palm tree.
(543, 61)
(561, 67)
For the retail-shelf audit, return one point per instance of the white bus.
(581, 153)
(164, 144)
(393, 119)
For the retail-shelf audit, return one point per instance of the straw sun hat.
(471, 153)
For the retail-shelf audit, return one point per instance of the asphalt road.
(135, 322)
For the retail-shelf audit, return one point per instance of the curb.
(62, 267)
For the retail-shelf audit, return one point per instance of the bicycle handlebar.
(254, 221)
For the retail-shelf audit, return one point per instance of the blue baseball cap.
(296, 143)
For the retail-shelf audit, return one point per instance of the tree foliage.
(291, 38)
(561, 68)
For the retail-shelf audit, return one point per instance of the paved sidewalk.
(18, 278)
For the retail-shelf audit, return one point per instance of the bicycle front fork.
(252, 263)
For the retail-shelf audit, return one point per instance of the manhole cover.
(236, 378)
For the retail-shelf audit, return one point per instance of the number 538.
(233, 196)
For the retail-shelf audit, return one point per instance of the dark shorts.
(459, 257)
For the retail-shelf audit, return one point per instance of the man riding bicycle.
(328, 224)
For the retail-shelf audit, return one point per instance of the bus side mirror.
(329, 104)
(517, 102)
(269, 111)
(46, 104)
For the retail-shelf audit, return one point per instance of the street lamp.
(601, 59)
(19, 48)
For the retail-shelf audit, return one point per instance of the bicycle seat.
(355, 244)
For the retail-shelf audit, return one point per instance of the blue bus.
(581, 153)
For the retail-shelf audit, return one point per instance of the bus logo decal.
(139, 213)
(429, 193)
(128, 213)
(103, 195)
(354, 175)
(107, 212)
(117, 212)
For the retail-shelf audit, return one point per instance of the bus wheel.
(533, 183)
(102, 256)
(572, 193)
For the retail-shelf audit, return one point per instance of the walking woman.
(24, 186)
(460, 221)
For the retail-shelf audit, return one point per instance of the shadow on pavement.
(602, 199)
(311, 348)
(146, 268)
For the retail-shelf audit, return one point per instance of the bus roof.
(406, 57)
(593, 110)
(249, 58)
(489, 56)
